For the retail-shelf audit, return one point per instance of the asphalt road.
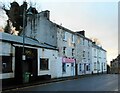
(106, 82)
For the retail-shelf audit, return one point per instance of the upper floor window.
(83, 53)
(64, 35)
(64, 48)
(83, 41)
(72, 52)
(73, 39)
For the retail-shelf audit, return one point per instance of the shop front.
(68, 66)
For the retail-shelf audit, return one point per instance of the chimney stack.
(81, 32)
(47, 14)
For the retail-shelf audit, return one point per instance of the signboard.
(68, 60)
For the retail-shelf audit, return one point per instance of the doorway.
(28, 65)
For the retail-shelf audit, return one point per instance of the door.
(28, 65)
(72, 69)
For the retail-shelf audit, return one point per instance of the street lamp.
(24, 19)
(23, 54)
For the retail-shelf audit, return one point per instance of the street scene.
(46, 47)
(91, 83)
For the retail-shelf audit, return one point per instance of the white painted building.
(73, 47)
(99, 61)
(83, 54)
(66, 46)
(41, 61)
(49, 33)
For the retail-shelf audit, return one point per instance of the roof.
(19, 40)
(97, 46)
(70, 31)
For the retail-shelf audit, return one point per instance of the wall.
(40, 28)
(55, 63)
(7, 50)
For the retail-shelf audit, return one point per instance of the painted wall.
(55, 64)
(6, 50)
(40, 28)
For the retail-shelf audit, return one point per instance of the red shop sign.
(68, 60)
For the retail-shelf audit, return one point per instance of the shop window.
(6, 64)
(44, 64)
(64, 67)
(72, 64)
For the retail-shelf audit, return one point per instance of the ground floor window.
(95, 66)
(6, 64)
(44, 64)
(80, 67)
(87, 67)
(63, 67)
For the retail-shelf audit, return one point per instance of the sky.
(99, 19)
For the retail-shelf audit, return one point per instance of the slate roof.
(19, 40)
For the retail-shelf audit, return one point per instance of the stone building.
(115, 65)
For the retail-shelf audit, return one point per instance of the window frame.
(7, 65)
(45, 64)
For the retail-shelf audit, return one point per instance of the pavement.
(44, 82)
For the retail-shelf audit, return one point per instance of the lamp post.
(24, 22)
(23, 51)
(23, 55)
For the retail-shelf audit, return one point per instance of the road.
(106, 82)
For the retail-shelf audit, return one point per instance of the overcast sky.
(98, 19)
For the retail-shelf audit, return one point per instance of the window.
(72, 64)
(88, 55)
(88, 43)
(64, 50)
(83, 53)
(104, 66)
(73, 39)
(44, 64)
(6, 64)
(64, 35)
(87, 67)
(80, 67)
(83, 41)
(72, 52)
(95, 66)
(64, 67)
